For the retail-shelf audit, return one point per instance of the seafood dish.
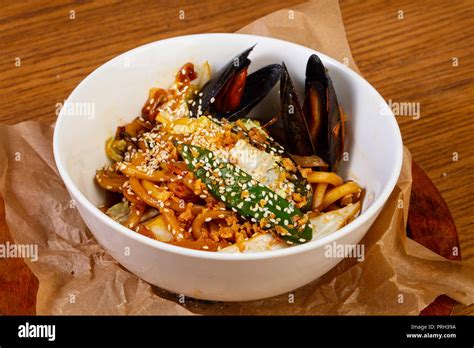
(198, 169)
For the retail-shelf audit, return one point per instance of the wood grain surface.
(412, 52)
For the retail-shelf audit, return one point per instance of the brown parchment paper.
(76, 276)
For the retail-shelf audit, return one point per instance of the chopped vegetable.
(115, 149)
(245, 195)
(119, 212)
(330, 222)
(260, 139)
(158, 226)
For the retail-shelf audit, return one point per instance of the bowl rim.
(372, 210)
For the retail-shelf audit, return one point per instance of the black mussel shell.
(212, 88)
(322, 113)
(298, 140)
(257, 86)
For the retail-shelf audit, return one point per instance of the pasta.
(162, 177)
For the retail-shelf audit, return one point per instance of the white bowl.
(114, 94)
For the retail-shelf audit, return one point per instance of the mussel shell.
(257, 86)
(315, 71)
(329, 141)
(314, 108)
(298, 140)
(212, 88)
(335, 128)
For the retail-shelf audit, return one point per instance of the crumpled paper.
(76, 276)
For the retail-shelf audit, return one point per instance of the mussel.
(232, 93)
(316, 127)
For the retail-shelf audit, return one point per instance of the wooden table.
(420, 55)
